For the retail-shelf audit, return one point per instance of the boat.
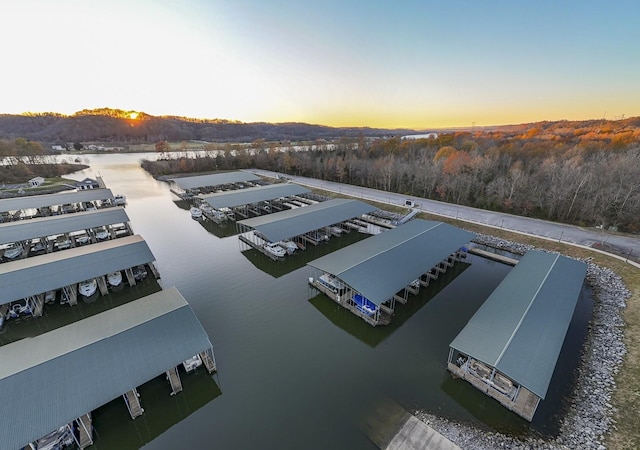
(50, 297)
(114, 278)
(58, 439)
(13, 250)
(333, 283)
(192, 363)
(274, 249)
(89, 206)
(364, 304)
(88, 287)
(82, 239)
(39, 246)
(62, 242)
(139, 273)
(119, 200)
(21, 307)
(101, 233)
(336, 230)
(289, 246)
(196, 213)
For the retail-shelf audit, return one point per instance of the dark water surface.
(295, 369)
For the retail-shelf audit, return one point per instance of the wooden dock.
(493, 256)
(85, 431)
(174, 380)
(132, 399)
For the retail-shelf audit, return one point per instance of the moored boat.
(192, 363)
(274, 249)
(119, 200)
(13, 250)
(114, 278)
(196, 213)
(139, 273)
(289, 246)
(88, 287)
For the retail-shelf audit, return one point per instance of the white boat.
(88, 287)
(82, 239)
(58, 439)
(62, 242)
(332, 283)
(50, 297)
(114, 278)
(119, 200)
(101, 233)
(13, 250)
(289, 246)
(275, 250)
(192, 363)
(196, 213)
(19, 307)
(336, 230)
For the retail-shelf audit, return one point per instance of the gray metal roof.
(31, 276)
(62, 198)
(64, 223)
(521, 327)
(214, 179)
(294, 222)
(253, 195)
(49, 380)
(381, 265)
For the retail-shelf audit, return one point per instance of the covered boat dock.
(43, 231)
(203, 184)
(368, 277)
(301, 226)
(55, 380)
(32, 278)
(42, 204)
(509, 348)
(254, 200)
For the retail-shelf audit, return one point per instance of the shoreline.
(590, 416)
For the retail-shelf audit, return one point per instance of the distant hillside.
(114, 125)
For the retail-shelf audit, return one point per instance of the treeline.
(559, 176)
(114, 125)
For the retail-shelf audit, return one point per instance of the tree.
(77, 146)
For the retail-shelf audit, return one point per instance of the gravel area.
(590, 414)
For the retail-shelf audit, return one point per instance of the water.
(295, 369)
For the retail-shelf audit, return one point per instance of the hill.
(114, 125)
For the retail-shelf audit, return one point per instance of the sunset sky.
(417, 64)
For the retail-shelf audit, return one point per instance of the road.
(624, 245)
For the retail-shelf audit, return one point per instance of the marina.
(71, 260)
(298, 340)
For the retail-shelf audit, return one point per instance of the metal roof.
(381, 265)
(214, 179)
(48, 226)
(31, 276)
(521, 327)
(294, 222)
(51, 379)
(61, 198)
(253, 195)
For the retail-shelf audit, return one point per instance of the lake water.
(295, 370)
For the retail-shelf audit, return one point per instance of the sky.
(417, 64)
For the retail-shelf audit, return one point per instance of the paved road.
(625, 245)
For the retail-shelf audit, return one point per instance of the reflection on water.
(161, 411)
(290, 377)
(372, 336)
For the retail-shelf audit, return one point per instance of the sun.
(133, 115)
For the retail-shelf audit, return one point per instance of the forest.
(584, 173)
(125, 127)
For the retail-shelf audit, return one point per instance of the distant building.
(35, 182)
(58, 148)
(87, 183)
